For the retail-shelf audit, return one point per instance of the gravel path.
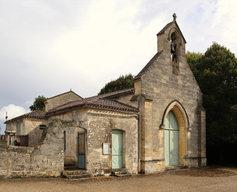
(168, 181)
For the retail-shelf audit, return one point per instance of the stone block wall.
(31, 124)
(34, 136)
(99, 125)
(164, 85)
(60, 100)
(15, 126)
(28, 126)
(45, 159)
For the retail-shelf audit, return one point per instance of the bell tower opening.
(174, 51)
(173, 45)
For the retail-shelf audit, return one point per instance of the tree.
(193, 60)
(38, 104)
(121, 83)
(216, 74)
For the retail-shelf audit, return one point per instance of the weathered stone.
(3, 154)
(165, 84)
(18, 167)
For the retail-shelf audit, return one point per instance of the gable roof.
(33, 115)
(62, 94)
(168, 25)
(117, 93)
(163, 30)
(143, 71)
(100, 102)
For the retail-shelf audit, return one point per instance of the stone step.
(123, 175)
(81, 176)
(120, 172)
(175, 167)
(74, 172)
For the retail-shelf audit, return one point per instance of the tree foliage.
(216, 74)
(123, 82)
(38, 104)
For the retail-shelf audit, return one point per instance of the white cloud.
(48, 47)
(224, 24)
(12, 111)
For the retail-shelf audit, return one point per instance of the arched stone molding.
(183, 123)
(174, 30)
(179, 112)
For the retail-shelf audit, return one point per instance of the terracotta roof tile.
(100, 101)
(33, 114)
(104, 103)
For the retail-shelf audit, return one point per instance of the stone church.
(157, 124)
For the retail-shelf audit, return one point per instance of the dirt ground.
(208, 172)
(195, 179)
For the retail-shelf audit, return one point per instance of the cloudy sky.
(48, 47)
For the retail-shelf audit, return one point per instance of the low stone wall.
(44, 160)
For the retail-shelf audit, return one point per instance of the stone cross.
(174, 15)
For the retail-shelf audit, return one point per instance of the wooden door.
(171, 140)
(81, 149)
(117, 149)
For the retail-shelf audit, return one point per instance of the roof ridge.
(164, 28)
(63, 94)
(28, 115)
(99, 104)
(148, 65)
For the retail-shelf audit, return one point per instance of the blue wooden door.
(117, 149)
(171, 140)
(81, 149)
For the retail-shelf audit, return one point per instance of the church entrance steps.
(70, 167)
(76, 174)
(121, 173)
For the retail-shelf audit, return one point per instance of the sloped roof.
(63, 94)
(117, 93)
(163, 30)
(143, 71)
(100, 101)
(33, 115)
(168, 25)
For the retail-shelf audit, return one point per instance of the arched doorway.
(117, 149)
(171, 139)
(183, 126)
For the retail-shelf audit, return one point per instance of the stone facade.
(45, 159)
(163, 85)
(35, 134)
(138, 115)
(27, 125)
(98, 126)
(59, 100)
